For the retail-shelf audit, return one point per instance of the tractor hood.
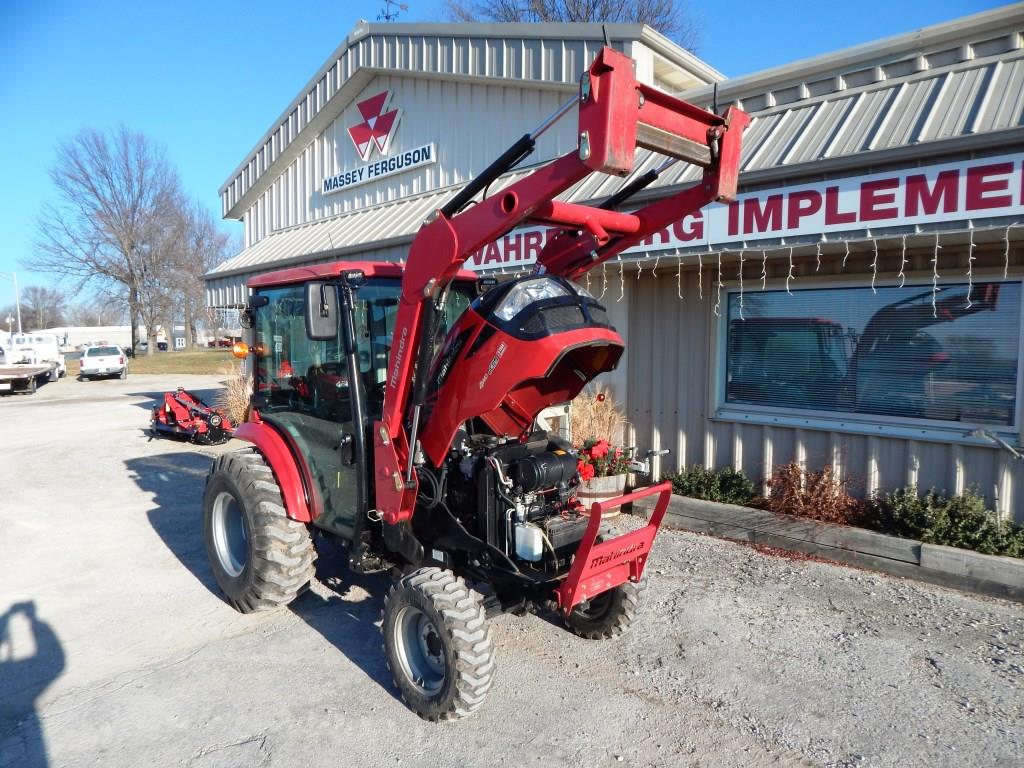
(523, 346)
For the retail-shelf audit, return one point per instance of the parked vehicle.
(103, 361)
(23, 376)
(38, 349)
(395, 407)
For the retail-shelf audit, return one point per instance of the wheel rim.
(229, 534)
(420, 650)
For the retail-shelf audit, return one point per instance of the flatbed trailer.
(24, 378)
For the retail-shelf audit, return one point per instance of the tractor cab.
(307, 385)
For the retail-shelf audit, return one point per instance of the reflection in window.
(887, 353)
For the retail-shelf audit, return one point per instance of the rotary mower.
(185, 415)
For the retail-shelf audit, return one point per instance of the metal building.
(860, 304)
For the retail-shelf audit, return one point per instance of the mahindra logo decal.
(617, 554)
(377, 127)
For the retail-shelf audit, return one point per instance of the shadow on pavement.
(176, 481)
(346, 618)
(23, 678)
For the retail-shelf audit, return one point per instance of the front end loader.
(394, 408)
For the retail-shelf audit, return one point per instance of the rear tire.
(260, 558)
(609, 614)
(124, 373)
(54, 375)
(438, 644)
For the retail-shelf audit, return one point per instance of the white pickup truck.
(26, 359)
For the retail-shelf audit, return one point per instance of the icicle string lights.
(718, 287)
(789, 275)
(847, 254)
(970, 270)
(874, 265)
(903, 261)
(741, 286)
(719, 281)
(817, 258)
(1006, 248)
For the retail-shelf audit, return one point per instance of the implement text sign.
(975, 189)
(380, 169)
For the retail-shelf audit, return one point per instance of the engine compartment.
(517, 497)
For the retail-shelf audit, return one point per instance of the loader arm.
(617, 115)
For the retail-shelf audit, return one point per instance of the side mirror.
(321, 311)
(247, 317)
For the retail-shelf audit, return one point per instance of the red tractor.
(394, 408)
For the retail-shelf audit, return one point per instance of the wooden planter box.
(947, 566)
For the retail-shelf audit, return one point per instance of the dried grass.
(595, 414)
(234, 398)
(817, 495)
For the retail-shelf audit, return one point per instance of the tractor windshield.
(295, 373)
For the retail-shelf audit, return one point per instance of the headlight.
(526, 293)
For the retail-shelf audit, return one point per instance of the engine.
(518, 497)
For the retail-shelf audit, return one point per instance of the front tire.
(260, 558)
(438, 644)
(609, 614)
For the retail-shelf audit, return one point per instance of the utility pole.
(17, 296)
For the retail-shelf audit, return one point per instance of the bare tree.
(116, 193)
(42, 307)
(106, 307)
(667, 16)
(201, 247)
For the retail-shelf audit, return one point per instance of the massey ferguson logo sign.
(378, 125)
(376, 131)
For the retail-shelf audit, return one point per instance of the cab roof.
(334, 269)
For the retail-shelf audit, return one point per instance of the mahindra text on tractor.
(394, 408)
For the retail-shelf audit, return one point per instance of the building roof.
(548, 56)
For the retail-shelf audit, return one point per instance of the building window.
(887, 353)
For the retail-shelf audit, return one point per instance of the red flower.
(600, 449)
(586, 470)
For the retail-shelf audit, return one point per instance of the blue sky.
(205, 79)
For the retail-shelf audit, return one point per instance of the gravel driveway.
(114, 649)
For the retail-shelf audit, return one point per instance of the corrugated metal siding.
(672, 370)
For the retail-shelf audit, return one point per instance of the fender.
(282, 463)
